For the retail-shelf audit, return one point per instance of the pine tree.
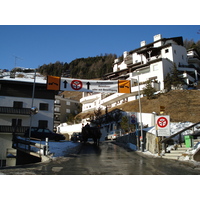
(148, 90)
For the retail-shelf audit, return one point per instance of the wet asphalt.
(106, 159)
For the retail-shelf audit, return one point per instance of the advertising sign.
(163, 125)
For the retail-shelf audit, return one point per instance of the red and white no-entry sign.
(163, 125)
(162, 122)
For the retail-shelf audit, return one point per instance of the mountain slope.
(181, 105)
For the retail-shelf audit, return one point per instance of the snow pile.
(56, 149)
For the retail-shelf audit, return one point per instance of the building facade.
(15, 110)
(64, 107)
(150, 62)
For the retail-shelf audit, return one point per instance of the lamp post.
(157, 139)
(34, 110)
(140, 110)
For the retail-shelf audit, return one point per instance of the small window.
(174, 51)
(67, 110)
(155, 67)
(44, 106)
(16, 122)
(68, 103)
(42, 123)
(166, 50)
(17, 104)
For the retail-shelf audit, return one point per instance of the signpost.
(82, 85)
(163, 125)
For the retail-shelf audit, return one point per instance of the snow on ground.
(61, 148)
(56, 149)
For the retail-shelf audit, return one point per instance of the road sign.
(124, 86)
(163, 125)
(82, 85)
(53, 83)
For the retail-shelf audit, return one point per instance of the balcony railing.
(13, 129)
(16, 111)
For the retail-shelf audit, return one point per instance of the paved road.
(107, 159)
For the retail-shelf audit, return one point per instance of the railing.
(25, 144)
(13, 129)
(178, 133)
(18, 111)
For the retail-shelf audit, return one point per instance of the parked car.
(76, 136)
(42, 133)
(111, 136)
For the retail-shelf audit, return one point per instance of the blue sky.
(37, 45)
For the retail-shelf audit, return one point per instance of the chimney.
(125, 54)
(142, 43)
(157, 37)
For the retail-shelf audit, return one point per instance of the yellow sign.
(53, 83)
(124, 86)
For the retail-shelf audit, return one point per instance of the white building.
(15, 105)
(148, 62)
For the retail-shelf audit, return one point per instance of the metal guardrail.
(25, 144)
(179, 132)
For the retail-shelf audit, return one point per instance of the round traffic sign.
(76, 84)
(133, 119)
(162, 122)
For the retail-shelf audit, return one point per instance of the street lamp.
(157, 139)
(34, 110)
(140, 110)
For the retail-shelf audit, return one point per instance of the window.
(174, 51)
(44, 106)
(68, 103)
(16, 122)
(144, 70)
(155, 67)
(42, 123)
(17, 104)
(67, 110)
(166, 50)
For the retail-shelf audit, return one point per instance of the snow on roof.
(26, 77)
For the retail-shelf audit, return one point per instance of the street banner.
(163, 125)
(82, 85)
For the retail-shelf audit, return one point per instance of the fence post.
(47, 146)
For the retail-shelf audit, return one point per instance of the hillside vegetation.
(181, 105)
(85, 68)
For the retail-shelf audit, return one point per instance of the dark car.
(42, 133)
(76, 136)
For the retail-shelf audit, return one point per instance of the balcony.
(114, 98)
(128, 60)
(13, 129)
(90, 99)
(14, 111)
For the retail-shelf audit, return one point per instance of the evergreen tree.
(173, 79)
(148, 90)
(125, 123)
